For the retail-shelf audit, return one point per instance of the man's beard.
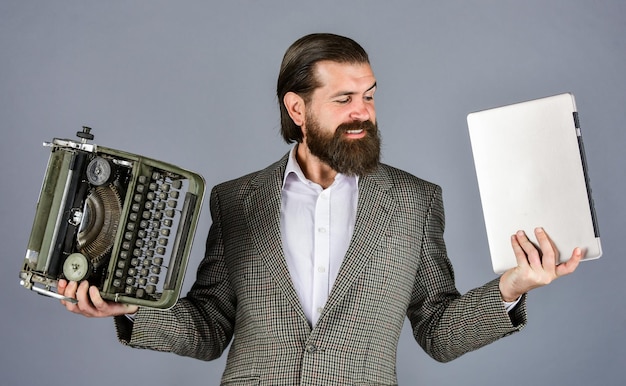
(358, 157)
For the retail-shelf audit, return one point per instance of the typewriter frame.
(61, 211)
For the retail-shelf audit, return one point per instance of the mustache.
(368, 126)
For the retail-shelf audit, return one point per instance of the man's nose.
(361, 111)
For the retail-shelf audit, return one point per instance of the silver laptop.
(531, 170)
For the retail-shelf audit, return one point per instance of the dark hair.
(297, 71)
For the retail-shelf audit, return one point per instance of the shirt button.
(321, 230)
(321, 269)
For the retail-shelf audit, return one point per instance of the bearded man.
(313, 263)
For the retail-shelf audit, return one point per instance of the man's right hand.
(90, 303)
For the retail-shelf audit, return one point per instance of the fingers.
(96, 299)
(90, 302)
(535, 267)
(545, 258)
(526, 253)
(84, 295)
(76, 291)
(84, 301)
(570, 265)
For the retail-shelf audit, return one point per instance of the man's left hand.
(535, 268)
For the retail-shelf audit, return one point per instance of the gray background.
(193, 82)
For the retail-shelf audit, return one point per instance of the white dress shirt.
(316, 228)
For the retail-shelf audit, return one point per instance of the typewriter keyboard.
(149, 235)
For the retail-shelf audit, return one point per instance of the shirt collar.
(294, 169)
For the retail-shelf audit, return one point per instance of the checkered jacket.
(395, 266)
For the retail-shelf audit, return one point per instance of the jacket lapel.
(374, 211)
(262, 208)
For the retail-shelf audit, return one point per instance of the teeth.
(354, 131)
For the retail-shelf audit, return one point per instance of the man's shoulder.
(272, 172)
(402, 178)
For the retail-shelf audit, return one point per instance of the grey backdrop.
(192, 83)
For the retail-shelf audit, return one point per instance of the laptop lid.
(531, 171)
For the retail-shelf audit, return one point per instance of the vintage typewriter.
(122, 221)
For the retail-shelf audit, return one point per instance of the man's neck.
(314, 169)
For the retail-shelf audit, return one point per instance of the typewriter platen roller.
(121, 221)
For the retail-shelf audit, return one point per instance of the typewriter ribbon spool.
(122, 221)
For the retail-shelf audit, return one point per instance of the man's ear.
(295, 107)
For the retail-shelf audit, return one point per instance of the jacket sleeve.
(446, 324)
(199, 325)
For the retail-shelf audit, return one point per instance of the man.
(313, 262)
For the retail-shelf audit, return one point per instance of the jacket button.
(310, 348)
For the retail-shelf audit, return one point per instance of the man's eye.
(343, 101)
(369, 98)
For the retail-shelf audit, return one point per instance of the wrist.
(506, 294)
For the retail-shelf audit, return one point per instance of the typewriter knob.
(76, 267)
(85, 134)
(98, 171)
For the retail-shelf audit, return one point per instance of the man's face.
(340, 123)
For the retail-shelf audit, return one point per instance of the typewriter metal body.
(121, 221)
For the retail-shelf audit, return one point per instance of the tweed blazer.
(395, 267)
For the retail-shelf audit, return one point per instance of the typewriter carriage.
(121, 221)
